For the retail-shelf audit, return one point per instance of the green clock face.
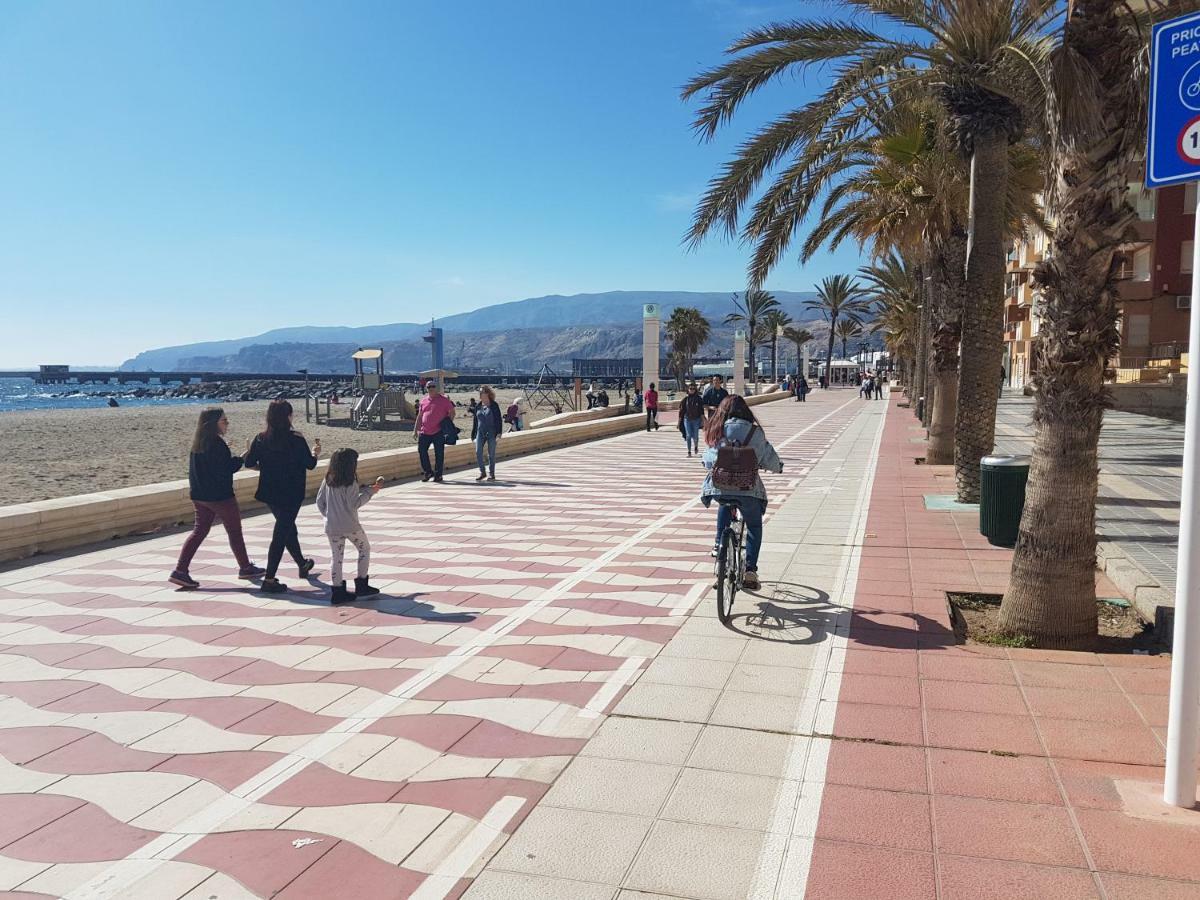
(650, 311)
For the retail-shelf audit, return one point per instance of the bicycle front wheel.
(727, 576)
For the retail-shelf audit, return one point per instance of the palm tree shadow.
(793, 614)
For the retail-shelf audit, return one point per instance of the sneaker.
(689, 454)
(492, 477)
(272, 586)
(426, 476)
(251, 572)
(184, 580)
(306, 567)
(482, 476)
(437, 479)
(750, 581)
(715, 551)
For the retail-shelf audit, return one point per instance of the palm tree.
(893, 285)
(982, 59)
(1097, 132)
(751, 313)
(839, 298)
(773, 324)
(848, 330)
(799, 337)
(688, 330)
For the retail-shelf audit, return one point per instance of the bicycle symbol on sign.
(1189, 88)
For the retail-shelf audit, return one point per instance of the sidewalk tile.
(745, 751)
(962, 668)
(1096, 706)
(878, 766)
(901, 725)
(982, 731)
(1120, 843)
(1131, 887)
(1064, 675)
(998, 829)
(612, 785)
(496, 885)
(963, 878)
(647, 740)
(886, 689)
(756, 710)
(878, 818)
(845, 871)
(969, 696)
(704, 862)
(574, 845)
(1102, 741)
(967, 773)
(706, 797)
(667, 701)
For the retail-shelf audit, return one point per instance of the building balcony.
(1130, 289)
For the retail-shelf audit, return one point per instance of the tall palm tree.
(983, 59)
(799, 337)
(839, 298)
(773, 324)
(1097, 128)
(848, 330)
(893, 286)
(688, 330)
(751, 311)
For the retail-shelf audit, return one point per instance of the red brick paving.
(1002, 780)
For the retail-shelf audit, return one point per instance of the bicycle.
(731, 563)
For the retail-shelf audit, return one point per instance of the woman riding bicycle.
(734, 425)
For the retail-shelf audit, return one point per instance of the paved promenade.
(542, 705)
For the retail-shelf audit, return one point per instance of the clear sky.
(181, 171)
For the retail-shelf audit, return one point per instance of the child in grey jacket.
(339, 499)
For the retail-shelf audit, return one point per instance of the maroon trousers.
(208, 512)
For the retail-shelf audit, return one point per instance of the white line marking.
(690, 598)
(455, 866)
(617, 680)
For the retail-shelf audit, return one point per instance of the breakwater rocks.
(225, 391)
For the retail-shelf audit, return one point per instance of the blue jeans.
(486, 440)
(752, 510)
(691, 433)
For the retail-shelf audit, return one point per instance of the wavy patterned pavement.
(222, 744)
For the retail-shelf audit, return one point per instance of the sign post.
(1173, 157)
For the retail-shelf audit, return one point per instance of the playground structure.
(379, 399)
(549, 392)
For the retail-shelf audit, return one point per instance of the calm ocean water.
(22, 393)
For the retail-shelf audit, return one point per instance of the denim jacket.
(768, 461)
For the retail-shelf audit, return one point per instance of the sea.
(23, 394)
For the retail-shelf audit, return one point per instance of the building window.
(1141, 264)
(1142, 200)
(1185, 257)
(1137, 330)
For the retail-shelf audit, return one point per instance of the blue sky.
(181, 171)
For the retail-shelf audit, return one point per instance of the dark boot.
(363, 589)
(340, 594)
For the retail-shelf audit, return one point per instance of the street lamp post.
(307, 414)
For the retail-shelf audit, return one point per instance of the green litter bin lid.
(999, 461)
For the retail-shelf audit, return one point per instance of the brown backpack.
(736, 467)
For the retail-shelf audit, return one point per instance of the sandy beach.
(59, 453)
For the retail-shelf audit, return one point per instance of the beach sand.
(59, 453)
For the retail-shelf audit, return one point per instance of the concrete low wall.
(29, 528)
(1165, 400)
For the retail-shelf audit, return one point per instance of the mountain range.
(519, 336)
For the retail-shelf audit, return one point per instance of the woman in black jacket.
(210, 477)
(486, 427)
(282, 458)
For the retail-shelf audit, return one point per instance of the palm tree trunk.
(983, 315)
(1052, 589)
(829, 354)
(948, 285)
(918, 362)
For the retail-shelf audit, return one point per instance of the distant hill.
(517, 336)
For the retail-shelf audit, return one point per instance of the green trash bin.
(1002, 497)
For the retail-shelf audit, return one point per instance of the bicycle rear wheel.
(727, 576)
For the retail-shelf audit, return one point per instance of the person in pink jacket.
(434, 409)
(651, 401)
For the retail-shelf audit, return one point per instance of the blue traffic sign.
(1173, 146)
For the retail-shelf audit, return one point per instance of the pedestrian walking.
(210, 480)
(733, 480)
(878, 386)
(823, 381)
(691, 417)
(801, 389)
(434, 409)
(339, 499)
(283, 459)
(714, 395)
(651, 401)
(485, 431)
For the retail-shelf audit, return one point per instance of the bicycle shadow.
(792, 614)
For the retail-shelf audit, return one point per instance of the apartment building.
(1155, 283)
